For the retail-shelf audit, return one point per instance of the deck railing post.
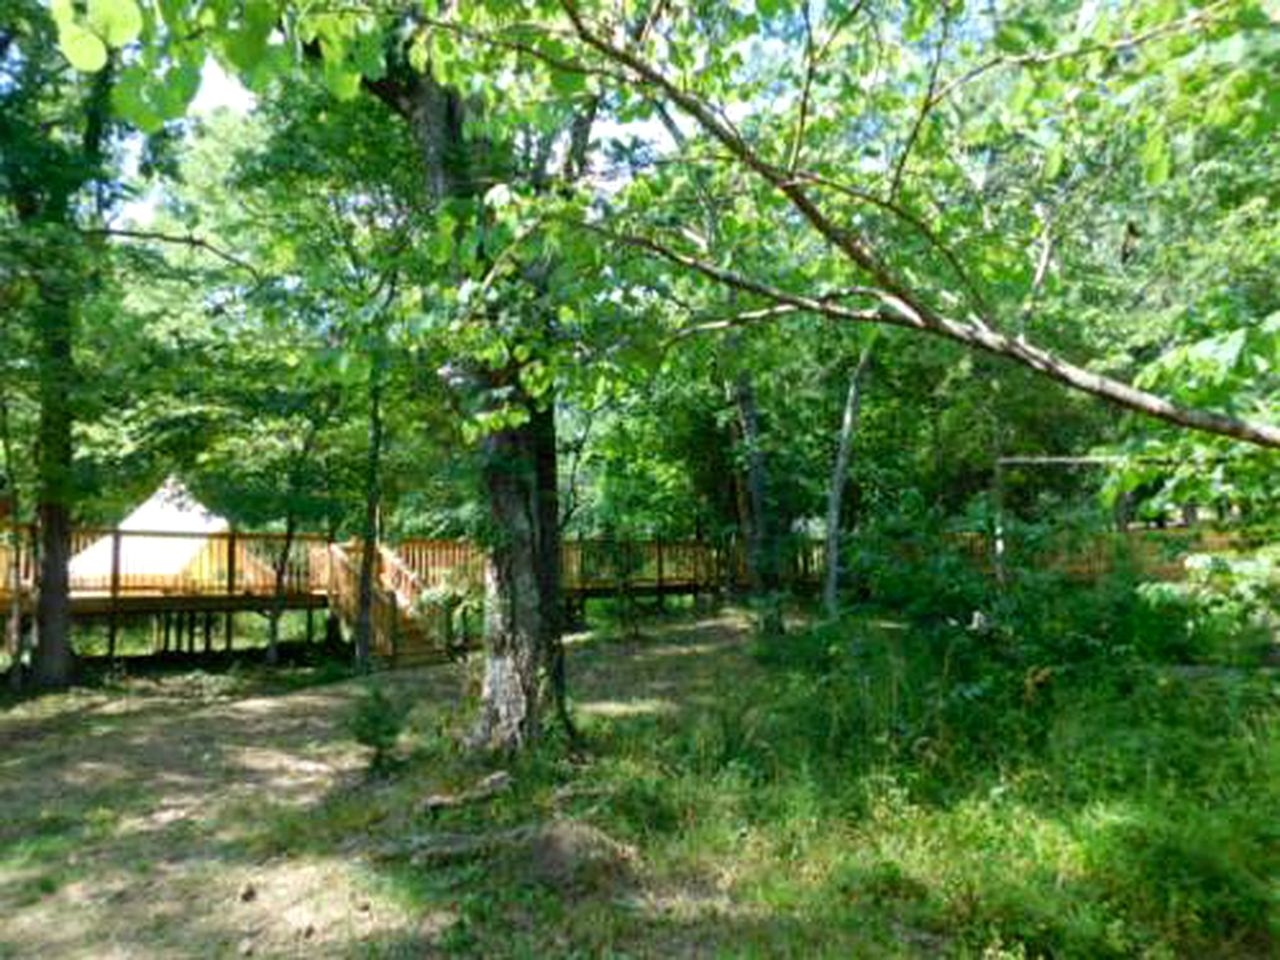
(395, 626)
(231, 586)
(114, 615)
(661, 595)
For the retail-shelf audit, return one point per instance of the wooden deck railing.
(161, 562)
(131, 563)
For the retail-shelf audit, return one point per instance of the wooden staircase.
(409, 629)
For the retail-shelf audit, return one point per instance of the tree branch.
(810, 68)
(1191, 22)
(902, 213)
(903, 306)
(895, 185)
(895, 312)
(185, 240)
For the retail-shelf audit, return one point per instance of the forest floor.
(179, 817)
(727, 799)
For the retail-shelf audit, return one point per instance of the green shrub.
(376, 722)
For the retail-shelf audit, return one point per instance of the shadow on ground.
(165, 819)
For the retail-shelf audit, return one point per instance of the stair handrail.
(399, 577)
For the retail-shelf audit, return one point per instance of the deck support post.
(311, 625)
(208, 632)
(167, 619)
(114, 615)
(662, 602)
(231, 586)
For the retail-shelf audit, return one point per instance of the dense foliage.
(957, 296)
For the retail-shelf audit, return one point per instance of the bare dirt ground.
(122, 820)
(127, 818)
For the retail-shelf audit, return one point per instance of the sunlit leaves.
(148, 99)
(1053, 160)
(244, 42)
(83, 48)
(1156, 162)
(106, 24)
(117, 22)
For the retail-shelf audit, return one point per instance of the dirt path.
(123, 821)
(127, 821)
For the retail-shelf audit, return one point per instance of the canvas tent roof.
(171, 509)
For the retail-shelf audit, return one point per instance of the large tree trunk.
(835, 490)
(522, 622)
(515, 619)
(372, 504)
(53, 663)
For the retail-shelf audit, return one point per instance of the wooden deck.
(421, 584)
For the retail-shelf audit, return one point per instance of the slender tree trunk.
(763, 541)
(835, 490)
(372, 504)
(550, 574)
(13, 623)
(281, 591)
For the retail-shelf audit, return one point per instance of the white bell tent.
(162, 561)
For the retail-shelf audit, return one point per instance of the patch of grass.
(862, 789)
(914, 792)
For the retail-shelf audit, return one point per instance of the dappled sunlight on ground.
(128, 818)
(625, 708)
(121, 827)
(719, 803)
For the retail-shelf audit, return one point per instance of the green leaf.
(181, 83)
(1156, 163)
(1053, 161)
(63, 12)
(1226, 351)
(129, 99)
(568, 84)
(342, 82)
(1022, 94)
(81, 47)
(116, 22)
(1013, 38)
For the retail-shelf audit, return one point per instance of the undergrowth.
(1072, 772)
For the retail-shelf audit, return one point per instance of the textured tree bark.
(515, 627)
(372, 503)
(763, 542)
(13, 621)
(53, 661)
(550, 575)
(835, 490)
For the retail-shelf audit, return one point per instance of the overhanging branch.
(186, 240)
(903, 306)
